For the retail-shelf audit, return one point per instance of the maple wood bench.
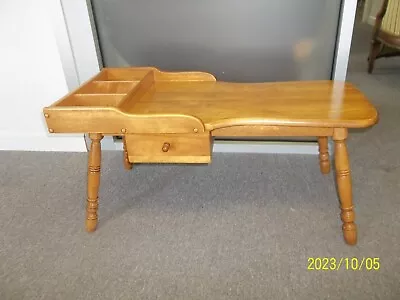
(172, 118)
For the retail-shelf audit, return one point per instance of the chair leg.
(344, 186)
(373, 53)
(324, 163)
(127, 164)
(93, 183)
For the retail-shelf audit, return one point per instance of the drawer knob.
(165, 147)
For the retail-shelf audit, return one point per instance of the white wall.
(31, 77)
(41, 60)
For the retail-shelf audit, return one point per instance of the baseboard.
(76, 143)
(256, 147)
(42, 142)
(265, 147)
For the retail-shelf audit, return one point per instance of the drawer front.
(169, 148)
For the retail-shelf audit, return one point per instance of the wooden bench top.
(118, 94)
(219, 104)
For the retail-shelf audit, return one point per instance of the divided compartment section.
(107, 87)
(110, 92)
(124, 74)
(92, 100)
(138, 73)
(122, 87)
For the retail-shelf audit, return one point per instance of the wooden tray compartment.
(97, 94)
(92, 100)
(104, 104)
(107, 87)
(123, 74)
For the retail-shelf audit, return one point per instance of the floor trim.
(76, 143)
(43, 142)
(257, 147)
(265, 147)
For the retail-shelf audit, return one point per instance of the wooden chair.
(386, 34)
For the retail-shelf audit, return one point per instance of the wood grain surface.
(136, 98)
(172, 117)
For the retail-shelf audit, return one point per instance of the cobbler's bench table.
(172, 118)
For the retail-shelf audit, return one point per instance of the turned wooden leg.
(127, 164)
(373, 53)
(324, 163)
(344, 186)
(93, 183)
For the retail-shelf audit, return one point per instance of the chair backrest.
(391, 19)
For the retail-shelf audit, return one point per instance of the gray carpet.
(241, 228)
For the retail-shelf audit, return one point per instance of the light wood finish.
(265, 130)
(127, 164)
(93, 183)
(169, 148)
(344, 186)
(107, 87)
(181, 106)
(112, 122)
(116, 90)
(137, 74)
(385, 40)
(138, 91)
(171, 118)
(324, 163)
(223, 104)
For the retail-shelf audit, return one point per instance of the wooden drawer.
(169, 148)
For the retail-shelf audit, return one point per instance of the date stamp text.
(346, 263)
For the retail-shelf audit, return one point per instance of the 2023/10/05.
(347, 263)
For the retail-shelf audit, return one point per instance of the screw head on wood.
(123, 130)
(51, 130)
(46, 115)
(195, 130)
